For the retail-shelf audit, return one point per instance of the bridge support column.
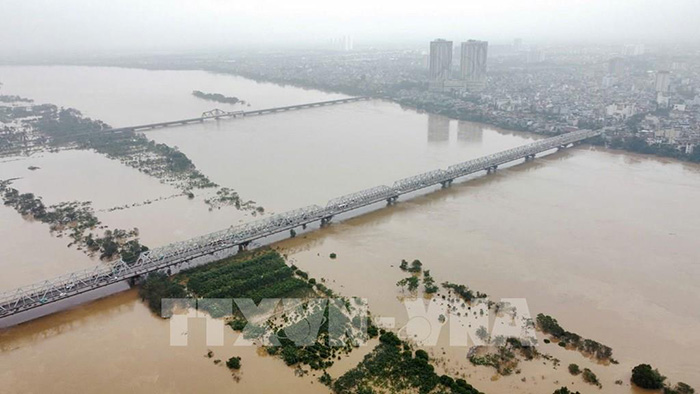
(561, 147)
(292, 233)
(303, 226)
(391, 200)
(447, 183)
(326, 221)
(243, 246)
(491, 169)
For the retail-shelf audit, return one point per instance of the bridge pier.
(447, 183)
(491, 169)
(392, 200)
(530, 157)
(243, 246)
(325, 221)
(561, 147)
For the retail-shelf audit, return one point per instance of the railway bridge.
(220, 114)
(239, 237)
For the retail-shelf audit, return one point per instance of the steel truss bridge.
(214, 114)
(73, 284)
(221, 114)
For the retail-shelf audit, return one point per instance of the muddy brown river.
(604, 241)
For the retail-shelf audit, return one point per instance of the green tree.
(422, 354)
(680, 388)
(429, 283)
(574, 369)
(590, 377)
(644, 376)
(416, 266)
(234, 363)
(564, 390)
(412, 283)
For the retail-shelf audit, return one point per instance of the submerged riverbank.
(578, 234)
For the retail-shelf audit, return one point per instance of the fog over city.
(78, 26)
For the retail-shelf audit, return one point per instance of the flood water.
(604, 241)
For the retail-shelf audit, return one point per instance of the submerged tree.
(644, 376)
(234, 363)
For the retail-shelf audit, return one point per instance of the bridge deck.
(66, 286)
(236, 114)
(214, 114)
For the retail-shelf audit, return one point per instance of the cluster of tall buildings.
(472, 66)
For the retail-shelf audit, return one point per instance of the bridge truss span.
(70, 285)
(420, 181)
(361, 198)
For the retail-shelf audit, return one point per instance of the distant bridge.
(71, 285)
(220, 114)
(215, 114)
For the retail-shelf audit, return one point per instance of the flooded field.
(605, 242)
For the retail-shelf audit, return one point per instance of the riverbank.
(451, 108)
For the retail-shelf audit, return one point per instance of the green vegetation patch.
(234, 363)
(158, 286)
(298, 344)
(77, 220)
(590, 377)
(505, 359)
(549, 325)
(218, 97)
(392, 367)
(565, 390)
(646, 377)
(464, 292)
(256, 276)
(47, 126)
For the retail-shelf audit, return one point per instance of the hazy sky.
(63, 26)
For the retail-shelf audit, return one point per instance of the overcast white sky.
(65, 26)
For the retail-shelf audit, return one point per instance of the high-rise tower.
(440, 60)
(473, 63)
